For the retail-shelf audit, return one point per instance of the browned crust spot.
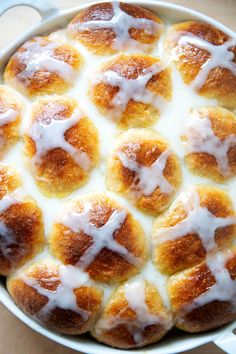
(221, 83)
(186, 286)
(108, 266)
(136, 114)
(64, 321)
(58, 174)
(42, 81)
(187, 251)
(223, 123)
(100, 41)
(144, 146)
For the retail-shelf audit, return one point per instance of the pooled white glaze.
(131, 89)
(8, 116)
(121, 23)
(38, 56)
(148, 178)
(224, 288)
(202, 139)
(220, 56)
(103, 237)
(51, 135)
(199, 221)
(135, 295)
(63, 297)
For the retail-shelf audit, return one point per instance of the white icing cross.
(63, 297)
(38, 56)
(202, 139)
(220, 56)
(223, 290)
(121, 23)
(131, 89)
(7, 238)
(148, 178)
(103, 237)
(7, 116)
(51, 135)
(202, 222)
(199, 221)
(135, 296)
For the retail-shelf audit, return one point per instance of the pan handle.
(46, 8)
(227, 342)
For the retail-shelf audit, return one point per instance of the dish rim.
(51, 17)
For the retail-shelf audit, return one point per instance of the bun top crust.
(61, 144)
(144, 169)
(197, 295)
(179, 231)
(46, 285)
(41, 66)
(117, 176)
(128, 321)
(131, 89)
(11, 112)
(21, 225)
(98, 235)
(209, 141)
(206, 59)
(112, 26)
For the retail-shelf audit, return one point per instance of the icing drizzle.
(63, 297)
(131, 89)
(51, 135)
(202, 139)
(202, 222)
(103, 237)
(220, 56)
(224, 288)
(148, 178)
(121, 23)
(38, 56)
(199, 221)
(135, 296)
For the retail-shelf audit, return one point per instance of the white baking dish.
(176, 342)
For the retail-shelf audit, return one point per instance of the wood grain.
(16, 337)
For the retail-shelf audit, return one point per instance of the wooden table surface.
(16, 337)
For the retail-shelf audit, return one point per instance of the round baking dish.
(177, 342)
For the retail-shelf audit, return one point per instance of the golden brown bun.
(185, 287)
(119, 325)
(102, 41)
(58, 173)
(223, 124)
(10, 104)
(144, 147)
(186, 251)
(42, 80)
(27, 289)
(107, 265)
(136, 114)
(21, 231)
(221, 82)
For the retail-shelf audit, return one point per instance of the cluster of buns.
(98, 270)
